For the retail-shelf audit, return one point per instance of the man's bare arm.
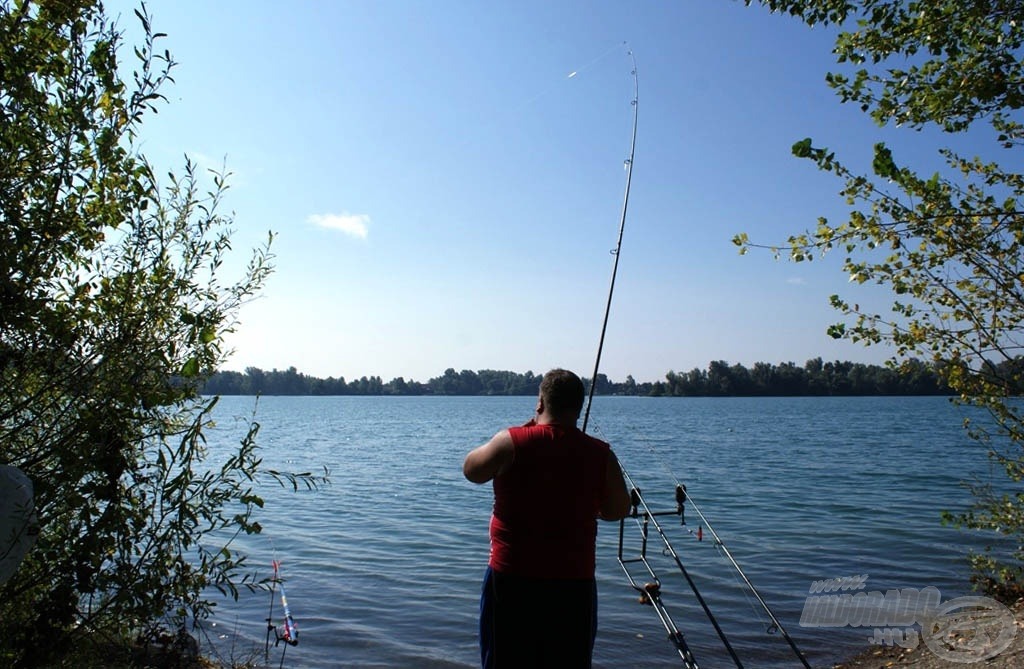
(485, 462)
(616, 502)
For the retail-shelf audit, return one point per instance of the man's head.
(561, 394)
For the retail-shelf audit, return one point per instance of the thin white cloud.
(353, 225)
(796, 281)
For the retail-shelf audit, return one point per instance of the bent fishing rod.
(618, 243)
(650, 592)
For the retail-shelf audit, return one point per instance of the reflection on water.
(383, 567)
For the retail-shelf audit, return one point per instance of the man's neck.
(561, 421)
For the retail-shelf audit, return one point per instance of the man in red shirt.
(552, 482)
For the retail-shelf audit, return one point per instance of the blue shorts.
(537, 623)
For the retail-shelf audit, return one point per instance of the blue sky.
(445, 195)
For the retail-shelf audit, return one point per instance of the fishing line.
(545, 91)
(570, 75)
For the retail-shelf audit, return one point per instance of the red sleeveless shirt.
(544, 523)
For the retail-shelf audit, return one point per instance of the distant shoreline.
(814, 379)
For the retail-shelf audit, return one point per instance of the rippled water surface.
(383, 567)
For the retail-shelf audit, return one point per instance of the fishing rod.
(618, 244)
(776, 625)
(287, 632)
(648, 517)
(650, 593)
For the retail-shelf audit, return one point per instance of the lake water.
(383, 567)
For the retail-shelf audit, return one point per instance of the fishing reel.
(650, 592)
(287, 631)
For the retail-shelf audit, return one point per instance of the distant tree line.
(720, 379)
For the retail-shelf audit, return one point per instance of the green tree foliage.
(947, 244)
(720, 380)
(110, 311)
(814, 379)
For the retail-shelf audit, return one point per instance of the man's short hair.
(562, 392)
